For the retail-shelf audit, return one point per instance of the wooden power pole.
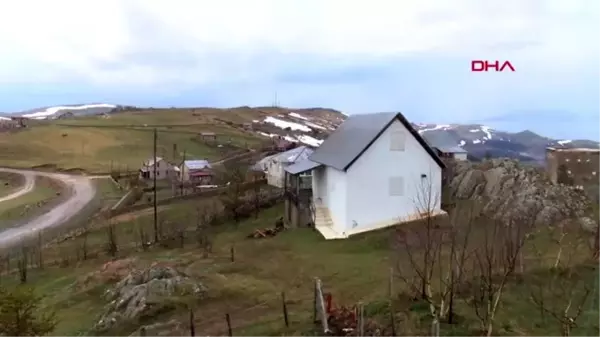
(154, 189)
(181, 171)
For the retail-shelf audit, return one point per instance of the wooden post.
(232, 253)
(361, 319)
(228, 319)
(315, 320)
(154, 188)
(284, 308)
(391, 284)
(192, 325)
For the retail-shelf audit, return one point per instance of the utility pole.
(154, 190)
(181, 172)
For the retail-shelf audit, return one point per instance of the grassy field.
(123, 141)
(9, 183)
(249, 289)
(30, 204)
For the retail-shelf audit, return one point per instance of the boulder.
(142, 294)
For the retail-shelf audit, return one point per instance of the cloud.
(359, 56)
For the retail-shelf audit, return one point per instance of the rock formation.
(141, 294)
(511, 191)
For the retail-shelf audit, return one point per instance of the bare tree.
(562, 292)
(234, 175)
(111, 245)
(437, 251)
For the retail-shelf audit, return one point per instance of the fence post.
(228, 319)
(321, 306)
(192, 325)
(284, 308)
(315, 302)
(361, 319)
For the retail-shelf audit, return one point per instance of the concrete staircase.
(324, 224)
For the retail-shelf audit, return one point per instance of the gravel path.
(81, 192)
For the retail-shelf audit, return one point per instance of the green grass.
(122, 142)
(13, 209)
(9, 183)
(249, 289)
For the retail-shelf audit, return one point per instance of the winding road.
(81, 191)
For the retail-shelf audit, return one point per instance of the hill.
(122, 137)
(95, 137)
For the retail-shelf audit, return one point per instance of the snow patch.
(436, 127)
(285, 124)
(308, 140)
(476, 141)
(4, 119)
(315, 126)
(297, 115)
(462, 143)
(563, 142)
(486, 130)
(53, 110)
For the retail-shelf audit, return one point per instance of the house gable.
(343, 147)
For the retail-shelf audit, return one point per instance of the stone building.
(573, 166)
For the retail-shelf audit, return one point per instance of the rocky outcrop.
(508, 190)
(142, 294)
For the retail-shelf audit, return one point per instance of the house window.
(397, 140)
(396, 186)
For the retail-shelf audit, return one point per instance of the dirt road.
(81, 192)
(26, 188)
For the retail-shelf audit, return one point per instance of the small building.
(451, 152)
(573, 166)
(445, 147)
(208, 136)
(164, 169)
(21, 121)
(197, 172)
(373, 172)
(273, 166)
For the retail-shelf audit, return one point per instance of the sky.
(412, 56)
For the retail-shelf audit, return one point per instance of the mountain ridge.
(479, 140)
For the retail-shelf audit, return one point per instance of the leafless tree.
(234, 175)
(23, 264)
(563, 292)
(111, 245)
(436, 248)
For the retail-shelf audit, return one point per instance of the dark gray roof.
(442, 141)
(341, 149)
(301, 166)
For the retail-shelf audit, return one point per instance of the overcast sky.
(357, 56)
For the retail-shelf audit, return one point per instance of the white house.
(274, 165)
(164, 169)
(374, 171)
(196, 171)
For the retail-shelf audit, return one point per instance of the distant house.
(573, 166)
(21, 121)
(208, 136)
(445, 147)
(198, 172)
(374, 171)
(274, 165)
(164, 169)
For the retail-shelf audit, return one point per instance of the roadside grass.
(10, 182)
(108, 191)
(26, 205)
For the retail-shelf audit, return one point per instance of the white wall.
(369, 202)
(275, 174)
(337, 199)
(460, 156)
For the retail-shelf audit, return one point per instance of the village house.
(374, 171)
(198, 172)
(164, 169)
(573, 166)
(208, 136)
(445, 147)
(274, 165)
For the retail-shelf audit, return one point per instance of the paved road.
(26, 188)
(81, 193)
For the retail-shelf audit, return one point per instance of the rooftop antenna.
(275, 101)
